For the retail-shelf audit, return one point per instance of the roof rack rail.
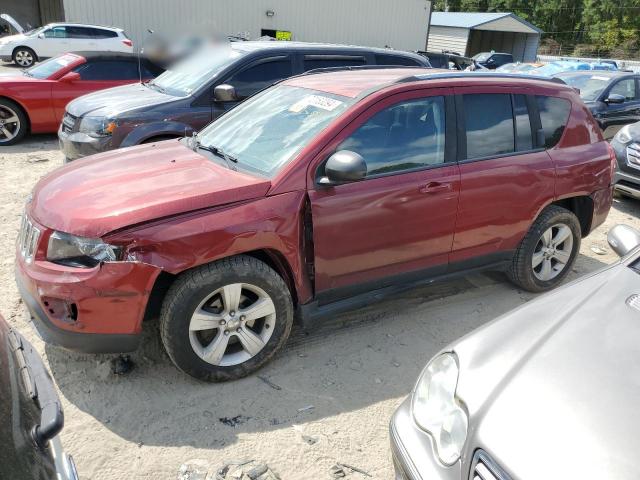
(440, 75)
(357, 67)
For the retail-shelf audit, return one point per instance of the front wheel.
(547, 253)
(13, 122)
(24, 57)
(225, 320)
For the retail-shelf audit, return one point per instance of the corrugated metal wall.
(523, 46)
(401, 24)
(448, 38)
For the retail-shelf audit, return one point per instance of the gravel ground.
(336, 387)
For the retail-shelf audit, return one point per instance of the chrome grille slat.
(633, 155)
(28, 239)
(484, 468)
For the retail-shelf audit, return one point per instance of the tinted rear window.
(396, 60)
(554, 113)
(489, 124)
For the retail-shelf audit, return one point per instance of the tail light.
(613, 159)
(127, 42)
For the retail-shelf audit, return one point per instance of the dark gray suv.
(193, 93)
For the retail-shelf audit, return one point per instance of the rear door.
(398, 222)
(505, 176)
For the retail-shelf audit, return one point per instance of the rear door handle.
(435, 187)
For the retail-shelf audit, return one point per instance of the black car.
(492, 60)
(191, 94)
(613, 97)
(626, 144)
(447, 60)
(30, 414)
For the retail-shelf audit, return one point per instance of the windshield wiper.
(26, 72)
(155, 87)
(219, 152)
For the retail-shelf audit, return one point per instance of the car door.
(505, 177)
(54, 42)
(397, 224)
(96, 74)
(617, 115)
(253, 77)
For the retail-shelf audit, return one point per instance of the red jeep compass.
(318, 195)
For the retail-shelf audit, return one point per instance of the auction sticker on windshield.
(317, 101)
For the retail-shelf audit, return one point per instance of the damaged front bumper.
(92, 310)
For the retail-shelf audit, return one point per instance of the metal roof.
(472, 20)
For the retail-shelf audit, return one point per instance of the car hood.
(113, 190)
(552, 387)
(114, 101)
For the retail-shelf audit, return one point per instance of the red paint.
(44, 100)
(172, 209)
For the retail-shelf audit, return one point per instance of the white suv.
(27, 48)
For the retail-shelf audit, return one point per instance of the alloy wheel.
(553, 252)
(9, 124)
(24, 58)
(232, 324)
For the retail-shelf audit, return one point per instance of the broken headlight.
(67, 249)
(97, 126)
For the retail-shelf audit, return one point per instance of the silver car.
(548, 391)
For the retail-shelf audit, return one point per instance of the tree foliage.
(605, 26)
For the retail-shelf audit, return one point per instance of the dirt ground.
(338, 386)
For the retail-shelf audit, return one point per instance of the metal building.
(471, 33)
(401, 24)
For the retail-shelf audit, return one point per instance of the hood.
(114, 101)
(552, 388)
(113, 190)
(12, 21)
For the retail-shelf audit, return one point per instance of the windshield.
(34, 31)
(49, 67)
(590, 86)
(185, 77)
(264, 133)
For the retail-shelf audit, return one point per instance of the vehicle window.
(402, 137)
(590, 86)
(524, 139)
(102, 33)
(51, 66)
(396, 60)
(311, 62)
(79, 32)
(108, 70)
(626, 88)
(489, 124)
(554, 113)
(255, 78)
(438, 61)
(267, 131)
(56, 32)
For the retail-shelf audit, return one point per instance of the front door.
(399, 221)
(617, 115)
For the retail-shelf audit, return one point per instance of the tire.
(14, 123)
(553, 258)
(24, 57)
(196, 325)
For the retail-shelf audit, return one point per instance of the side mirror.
(623, 238)
(41, 35)
(70, 77)
(344, 166)
(225, 93)
(615, 98)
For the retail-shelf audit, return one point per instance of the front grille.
(484, 468)
(28, 239)
(633, 155)
(68, 122)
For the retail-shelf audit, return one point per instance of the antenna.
(144, 37)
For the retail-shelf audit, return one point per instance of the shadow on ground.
(351, 361)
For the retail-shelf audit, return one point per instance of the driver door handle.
(435, 187)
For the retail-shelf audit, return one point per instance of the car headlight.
(97, 126)
(624, 135)
(66, 249)
(436, 409)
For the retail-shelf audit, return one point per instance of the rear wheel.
(547, 253)
(24, 57)
(13, 122)
(225, 320)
